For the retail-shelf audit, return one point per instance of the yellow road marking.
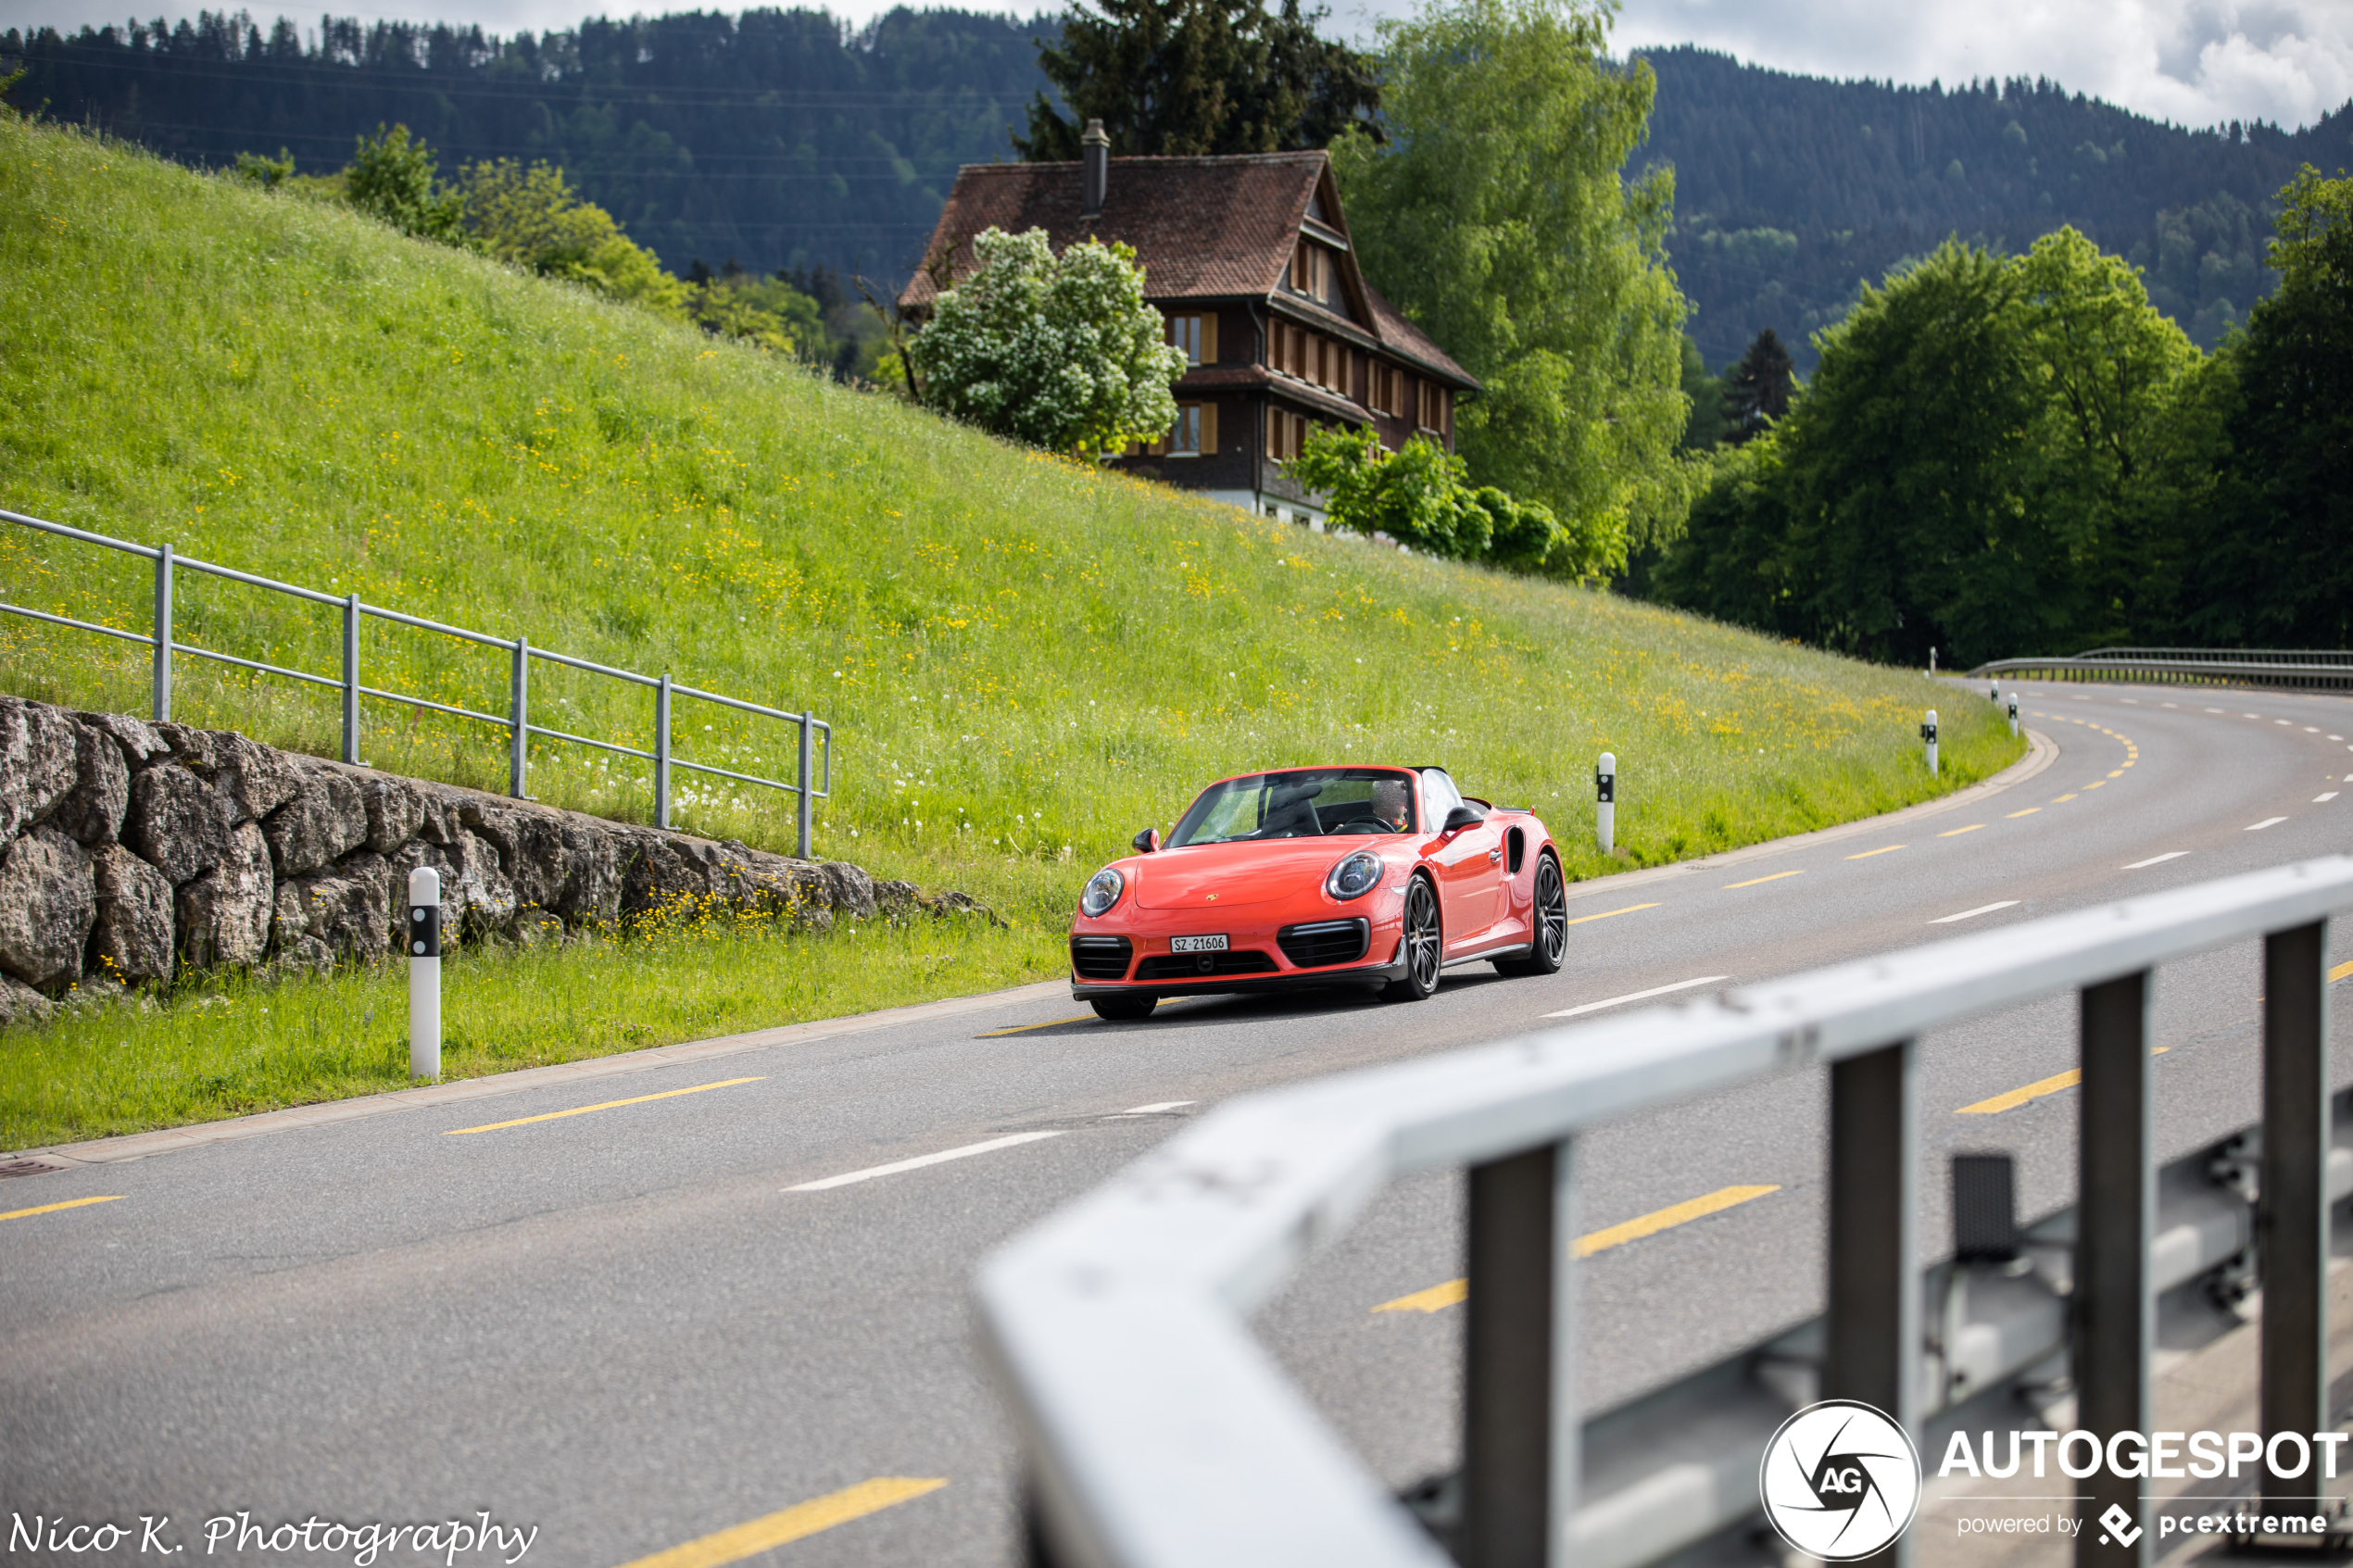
(85, 1202)
(797, 1522)
(1026, 1028)
(602, 1105)
(1668, 1218)
(1958, 831)
(2340, 971)
(1454, 1291)
(2028, 812)
(2035, 1090)
(1752, 882)
(2118, 774)
(1868, 853)
(2061, 800)
(2096, 783)
(1628, 910)
(1438, 1297)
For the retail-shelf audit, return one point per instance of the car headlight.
(1102, 891)
(1355, 876)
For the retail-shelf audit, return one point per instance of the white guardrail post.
(2013, 715)
(1606, 802)
(424, 973)
(1928, 734)
(661, 754)
(351, 679)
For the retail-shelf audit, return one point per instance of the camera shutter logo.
(1840, 1480)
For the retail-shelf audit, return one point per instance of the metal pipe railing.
(806, 788)
(1156, 1433)
(2312, 668)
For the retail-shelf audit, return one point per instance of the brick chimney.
(1094, 166)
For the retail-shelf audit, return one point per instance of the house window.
(1432, 408)
(1386, 392)
(1195, 433)
(1197, 335)
(1286, 432)
(1311, 271)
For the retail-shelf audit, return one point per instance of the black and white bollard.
(1932, 664)
(2013, 714)
(1606, 802)
(424, 973)
(1995, 695)
(1928, 734)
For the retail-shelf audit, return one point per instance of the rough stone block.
(255, 779)
(850, 890)
(140, 741)
(37, 762)
(395, 811)
(47, 904)
(92, 811)
(324, 822)
(343, 909)
(132, 939)
(20, 1003)
(224, 916)
(177, 822)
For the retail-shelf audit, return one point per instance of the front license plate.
(1196, 944)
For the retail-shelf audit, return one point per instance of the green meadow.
(1024, 660)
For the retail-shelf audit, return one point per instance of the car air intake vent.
(1203, 966)
(1324, 942)
(1101, 958)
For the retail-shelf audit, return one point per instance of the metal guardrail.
(1158, 1435)
(517, 721)
(2257, 667)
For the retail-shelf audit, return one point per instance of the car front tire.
(1423, 946)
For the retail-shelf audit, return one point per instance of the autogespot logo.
(1840, 1480)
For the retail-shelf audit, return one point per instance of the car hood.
(1220, 876)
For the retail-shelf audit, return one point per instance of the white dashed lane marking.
(2158, 859)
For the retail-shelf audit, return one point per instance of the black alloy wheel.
(1424, 944)
(1124, 1009)
(1550, 914)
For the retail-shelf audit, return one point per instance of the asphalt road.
(625, 1327)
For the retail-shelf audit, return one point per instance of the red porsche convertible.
(1320, 876)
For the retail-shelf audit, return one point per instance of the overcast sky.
(2195, 62)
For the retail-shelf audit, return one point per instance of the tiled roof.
(1202, 228)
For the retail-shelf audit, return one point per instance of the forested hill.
(785, 139)
(1789, 190)
(778, 138)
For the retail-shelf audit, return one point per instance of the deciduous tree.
(1497, 217)
(1060, 351)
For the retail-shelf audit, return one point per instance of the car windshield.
(1301, 803)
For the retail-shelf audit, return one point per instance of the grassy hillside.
(1025, 661)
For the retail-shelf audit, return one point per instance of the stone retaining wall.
(129, 849)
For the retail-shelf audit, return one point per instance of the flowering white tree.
(1060, 351)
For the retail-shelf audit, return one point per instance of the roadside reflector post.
(1928, 734)
(1606, 802)
(424, 973)
(1932, 663)
(1995, 694)
(2013, 713)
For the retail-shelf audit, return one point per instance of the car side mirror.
(1147, 842)
(1463, 816)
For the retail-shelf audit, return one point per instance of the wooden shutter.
(1209, 339)
(1209, 426)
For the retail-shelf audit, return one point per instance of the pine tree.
(1198, 77)
(1758, 391)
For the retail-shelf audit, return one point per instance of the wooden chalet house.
(1249, 259)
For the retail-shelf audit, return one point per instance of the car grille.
(1101, 958)
(1203, 966)
(1324, 942)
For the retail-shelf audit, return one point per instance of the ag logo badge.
(1840, 1480)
